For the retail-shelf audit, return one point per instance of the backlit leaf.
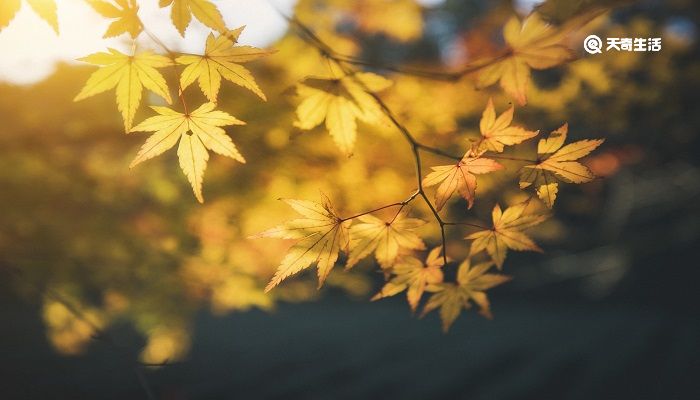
(220, 60)
(321, 234)
(204, 10)
(340, 102)
(497, 132)
(197, 132)
(46, 9)
(385, 238)
(415, 277)
(129, 74)
(507, 233)
(459, 177)
(124, 11)
(558, 163)
(472, 282)
(532, 44)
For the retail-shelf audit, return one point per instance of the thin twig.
(416, 147)
(509, 158)
(466, 224)
(401, 204)
(411, 71)
(438, 152)
(173, 56)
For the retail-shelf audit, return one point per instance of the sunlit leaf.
(472, 282)
(386, 238)
(558, 163)
(124, 11)
(532, 44)
(415, 277)
(221, 59)
(321, 235)
(197, 132)
(507, 233)
(340, 102)
(497, 132)
(459, 177)
(46, 9)
(129, 74)
(204, 10)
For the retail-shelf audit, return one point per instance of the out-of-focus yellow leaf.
(68, 332)
(46, 9)
(531, 44)
(405, 24)
(197, 132)
(340, 101)
(129, 74)
(126, 14)
(165, 344)
(204, 10)
(8, 9)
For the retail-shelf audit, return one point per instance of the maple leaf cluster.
(196, 132)
(322, 237)
(323, 234)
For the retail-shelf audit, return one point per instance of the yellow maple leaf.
(129, 74)
(532, 44)
(557, 162)
(507, 233)
(497, 132)
(126, 14)
(198, 131)
(339, 102)
(472, 283)
(415, 277)
(204, 10)
(320, 236)
(459, 177)
(46, 9)
(221, 59)
(384, 238)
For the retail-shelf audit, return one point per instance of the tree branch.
(311, 38)
(402, 204)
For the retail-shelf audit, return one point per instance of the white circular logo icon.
(592, 44)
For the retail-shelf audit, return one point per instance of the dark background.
(612, 313)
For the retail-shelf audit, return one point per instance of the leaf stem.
(401, 204)
(500, 157)
(466, 224)
(311, 38)
(172, 55)
(410, 71)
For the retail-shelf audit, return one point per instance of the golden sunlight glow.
(31, 48)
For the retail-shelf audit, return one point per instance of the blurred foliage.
(135, 247)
